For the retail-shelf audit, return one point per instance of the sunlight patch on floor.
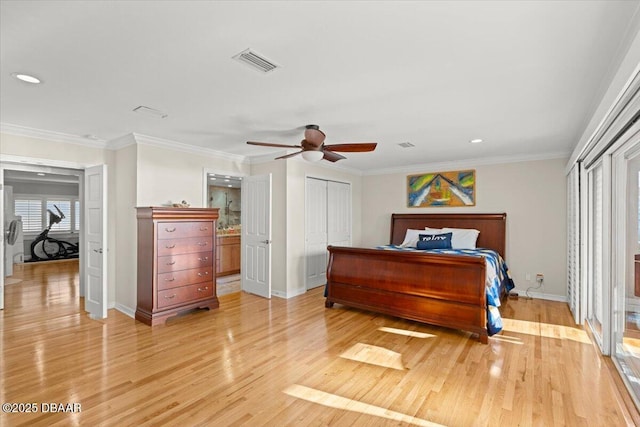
(507, 339)
(546, 330)
(406, 332)
(374, 355)
(339, 402)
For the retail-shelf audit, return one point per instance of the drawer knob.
(170, 230)
(170, 246)
(171, 262)
(206, 273)
(204, 228)
(202, 243)
(206, 288)
(169, 296)
(170, 280)
(203, 258)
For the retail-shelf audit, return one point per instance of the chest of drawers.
(176, 261)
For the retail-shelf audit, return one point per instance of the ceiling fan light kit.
(312, 156)
(313, 148)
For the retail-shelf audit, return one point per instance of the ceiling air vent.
(256, 61)
(406, 145)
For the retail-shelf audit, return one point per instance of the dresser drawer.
(184, 294)
(171, 263)
(173, 230)
(185, 245)
(177, 279)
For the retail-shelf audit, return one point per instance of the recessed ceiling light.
(229, 185)
(40, 174)
(27, 78)
(476, 141)
(226, 180)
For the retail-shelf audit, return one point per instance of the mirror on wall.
(224, 193)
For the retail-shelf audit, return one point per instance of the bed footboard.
(442, 290)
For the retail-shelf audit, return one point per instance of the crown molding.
(118, 143)
(192, 149)
(469, 163)
(136, 138)
(121, 142)
(18, 130)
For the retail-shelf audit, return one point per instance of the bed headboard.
(492, 226)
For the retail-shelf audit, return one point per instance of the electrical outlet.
(539, 277)
(527, 277)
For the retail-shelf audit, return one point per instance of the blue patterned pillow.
(434, 241)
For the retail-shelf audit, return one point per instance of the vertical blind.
(573, 242)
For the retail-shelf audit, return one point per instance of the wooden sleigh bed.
(443, 290)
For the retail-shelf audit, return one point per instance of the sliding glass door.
(626, 261)
(596, 304)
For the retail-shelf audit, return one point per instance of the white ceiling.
(524, 76)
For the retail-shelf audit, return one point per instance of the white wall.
(125, 227)
(532, 193)
(170, 176)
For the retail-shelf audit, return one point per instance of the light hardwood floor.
(293, 362)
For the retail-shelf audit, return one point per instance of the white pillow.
(462, 238)
(433, 230)
(411, 238)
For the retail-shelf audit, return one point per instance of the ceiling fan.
(314, 149)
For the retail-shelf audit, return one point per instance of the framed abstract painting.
(442, 189)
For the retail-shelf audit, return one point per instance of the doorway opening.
(30, 193)
(224, 192)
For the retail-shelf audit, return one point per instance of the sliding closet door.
(328, 222)
(339, 213)
(316, 232)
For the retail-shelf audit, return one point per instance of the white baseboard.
(278, 294)
(540, 295)
(286, 295)
(125, 310)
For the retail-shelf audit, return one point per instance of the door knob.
(98, 250)
(266, 242)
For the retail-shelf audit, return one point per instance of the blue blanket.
(498, 278)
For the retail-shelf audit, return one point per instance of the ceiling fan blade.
(268, 144)
(331, 156)
(314, 136)
(288, 155)
(354, 148)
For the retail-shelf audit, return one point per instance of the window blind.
(31, 212)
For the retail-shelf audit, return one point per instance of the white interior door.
(95, 251)
(316, 232)
(339, 214)
(256, 235)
